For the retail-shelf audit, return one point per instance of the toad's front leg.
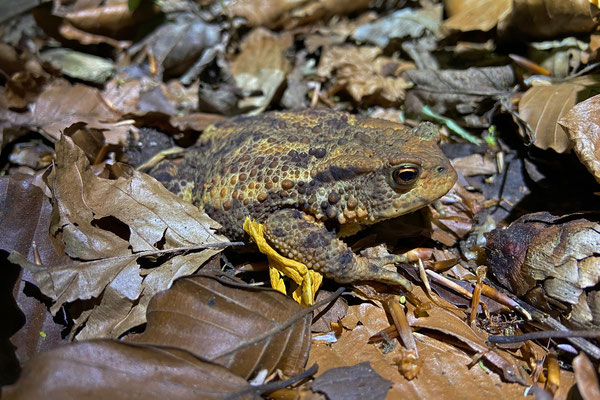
(311, 244)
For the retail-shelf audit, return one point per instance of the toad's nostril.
(441, 169)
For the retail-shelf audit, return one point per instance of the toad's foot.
(310, 243)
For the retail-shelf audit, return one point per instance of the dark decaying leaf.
(243, 328)
(357, 382)
(105, 369)
(179, 43)
(469, 96)
(544, 19)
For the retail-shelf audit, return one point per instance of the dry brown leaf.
(449, 323)
(110, 18)
(291, 13)
(361, 71)
(583, 129)
(476, 164)
(446, 371)
(106, 369)
(543, 106)
(472, 15)
(261, 67)
(401, 25)
(61, 105)
(106, 225)
(242, 328)
(68, 31)
(261, 12)
(547, 19)
(587, 380)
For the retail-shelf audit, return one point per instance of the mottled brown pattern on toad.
(327, 165)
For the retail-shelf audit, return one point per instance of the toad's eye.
(406, 174)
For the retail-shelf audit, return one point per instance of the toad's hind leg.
(310, 243)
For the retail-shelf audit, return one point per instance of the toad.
(300, 173)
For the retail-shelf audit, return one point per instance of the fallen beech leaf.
(558, 254)
(260, 12)
(356, 382)
(583, 128)
(107, 225)
(261, 67)
(360, 70)
(241, 327)
(473, 15)
(449, 323)
(105, 369)
(543, 106)
(587, 380)
(467, 95)
(79, 65)
(547, 19)
(401, 24)
(476, 164)
(60, 106)
(445, 372)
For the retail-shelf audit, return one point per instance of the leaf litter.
(97, 240)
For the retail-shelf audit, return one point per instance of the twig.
(590, 334)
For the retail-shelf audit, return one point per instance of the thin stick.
(591, 334)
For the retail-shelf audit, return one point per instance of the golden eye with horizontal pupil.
(406, 174)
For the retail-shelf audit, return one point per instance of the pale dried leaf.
(261, 67)
(60, 106)
(79, 65)
(583, 129)
(360, 71)
(411, 23)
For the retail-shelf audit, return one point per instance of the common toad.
(294, 171)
